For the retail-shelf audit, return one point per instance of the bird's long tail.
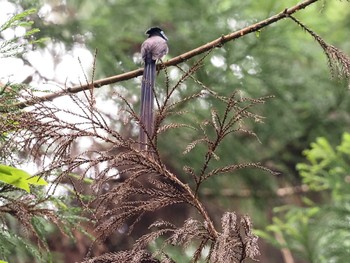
(147, 97)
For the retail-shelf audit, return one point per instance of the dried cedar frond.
(131, 199)
(231, 245)
(338, 61)
(251, 248)
(190, 231)
(141, 256)
(234, 167)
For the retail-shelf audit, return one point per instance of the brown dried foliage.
(49, 134)
(338, 61)
(25, 208)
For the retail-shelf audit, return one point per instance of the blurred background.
(291, 210)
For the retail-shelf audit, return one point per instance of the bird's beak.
(163, 35)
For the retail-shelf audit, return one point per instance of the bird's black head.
(156, 31)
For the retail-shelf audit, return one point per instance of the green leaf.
(36, 180)
(19, 178)
(344, 147)
(16, 19)
(257, 33)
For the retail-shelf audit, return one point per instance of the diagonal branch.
(172, 62)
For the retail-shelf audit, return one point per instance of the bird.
(152, 49)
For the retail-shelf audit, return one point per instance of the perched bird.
(152, 49)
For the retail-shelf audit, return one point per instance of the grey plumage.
(152, 49)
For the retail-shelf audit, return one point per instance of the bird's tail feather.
(147, 97)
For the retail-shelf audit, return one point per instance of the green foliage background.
(318, 231)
